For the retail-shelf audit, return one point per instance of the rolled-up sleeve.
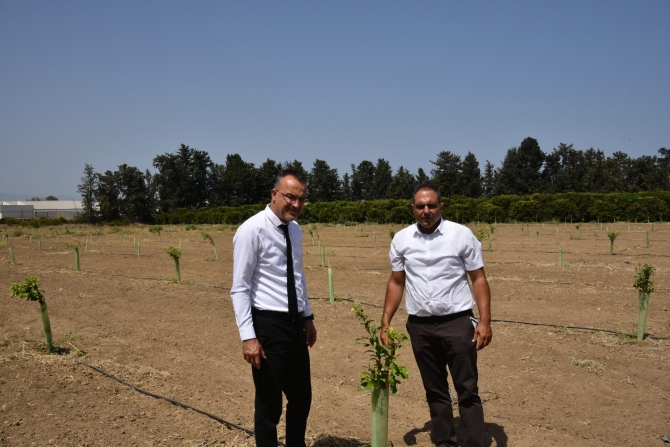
(245, 253)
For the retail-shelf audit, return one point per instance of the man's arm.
(252, 351)
(310, 332)
(480, 288)
(245, 247)
(394, 290)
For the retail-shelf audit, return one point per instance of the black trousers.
(285, 369)
(438, 343)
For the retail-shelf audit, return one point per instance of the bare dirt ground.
(549, 386)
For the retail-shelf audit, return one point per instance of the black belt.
(276, 314)
(439, 318)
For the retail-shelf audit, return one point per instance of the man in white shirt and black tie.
(273, 313)
(432, 260)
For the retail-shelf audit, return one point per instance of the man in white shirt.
(273, 313)
(432, 260)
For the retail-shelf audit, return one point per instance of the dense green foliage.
(34, 223)
(189, 180)
(643, 282)
(569, 207)
(29, 290)
(383, 371)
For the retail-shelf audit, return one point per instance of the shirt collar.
(439, 229)
(272, 217)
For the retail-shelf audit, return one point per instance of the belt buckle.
(298, 317)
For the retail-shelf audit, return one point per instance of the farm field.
(541, 385)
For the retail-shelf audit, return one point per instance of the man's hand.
(383, 337)
(394, 291)
(482, 293)
(483, 335)
(252, 352)
(310, 332)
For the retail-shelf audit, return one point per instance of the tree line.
(188, 179)
(561, 207)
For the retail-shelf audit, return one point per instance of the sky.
(114, 82)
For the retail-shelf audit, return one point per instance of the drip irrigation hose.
(493, 320)
(541, 281)
(251, 433)
(172, 401)
(593, 329)
(653, 337)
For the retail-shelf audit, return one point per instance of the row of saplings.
(383, 373)
(174, 253)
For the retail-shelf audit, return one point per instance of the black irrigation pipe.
(152, 279)
(493, 320)
(380, 307)
(141, 278)
(370, 269)
(172, 401)
(653, 337)
(593, 329)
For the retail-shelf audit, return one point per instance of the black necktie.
(290, 278)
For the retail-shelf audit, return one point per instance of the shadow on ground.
(494, 432)
(333, 441)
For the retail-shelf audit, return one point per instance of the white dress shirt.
(259, 269)
(436, 267)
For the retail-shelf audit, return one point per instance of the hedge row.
(584, 207)
(34, 223)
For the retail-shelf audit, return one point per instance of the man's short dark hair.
(290, 172)
(429, 187)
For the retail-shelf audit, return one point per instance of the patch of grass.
(605, 339)
(626, 338)
(133, 373)
(37, 351)
(563, 330)
(589, 365)
(183, 282)
(71, 337)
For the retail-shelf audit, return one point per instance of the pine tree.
(88, 190)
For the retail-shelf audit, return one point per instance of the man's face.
(288, 199)
(426, 209)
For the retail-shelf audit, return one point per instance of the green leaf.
(383, 371)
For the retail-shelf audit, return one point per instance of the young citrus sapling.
(175, 254)
(644, 286)
(156, 229)
(75, 247)
(31, 292)
(207, 237)
(612, 235)
(383, 373)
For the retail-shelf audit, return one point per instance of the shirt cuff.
(247, 333)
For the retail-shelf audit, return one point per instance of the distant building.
(16, 210)
(29, 209)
